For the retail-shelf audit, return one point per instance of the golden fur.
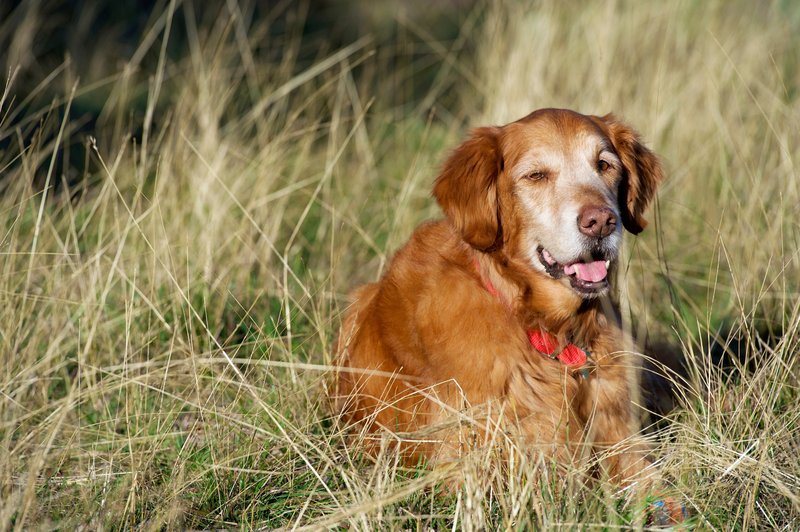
(429, 340)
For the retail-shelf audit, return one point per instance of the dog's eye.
(603, 165)
(536, 176)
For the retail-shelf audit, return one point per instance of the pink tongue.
(591, 272)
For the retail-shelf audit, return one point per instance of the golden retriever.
(504, 305)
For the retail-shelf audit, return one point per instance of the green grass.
(170, 286)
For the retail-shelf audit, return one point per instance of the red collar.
(544, 342)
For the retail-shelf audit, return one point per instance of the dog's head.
(555, 189)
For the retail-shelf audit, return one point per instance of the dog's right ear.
(643, 172)
(466, 188)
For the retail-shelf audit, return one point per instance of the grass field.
(180, 229)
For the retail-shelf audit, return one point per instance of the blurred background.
(96, 41)
(190, 189)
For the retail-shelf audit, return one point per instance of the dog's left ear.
(642, 176)
(466, 188)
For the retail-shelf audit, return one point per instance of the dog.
(504, 307)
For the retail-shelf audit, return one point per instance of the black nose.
(596, 221)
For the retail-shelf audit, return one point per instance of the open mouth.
(586, 277)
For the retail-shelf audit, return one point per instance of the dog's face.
(554, 189)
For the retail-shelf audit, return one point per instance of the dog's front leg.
(607, 402)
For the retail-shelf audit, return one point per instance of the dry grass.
(167, 310)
